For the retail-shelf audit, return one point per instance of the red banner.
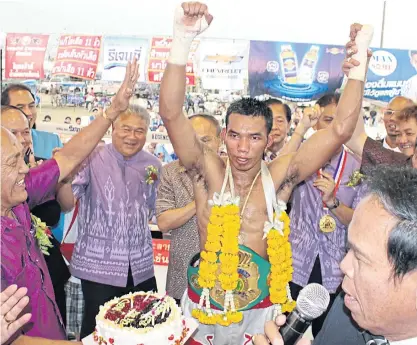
(78, 56)
(25, 54)
(158, 56)
(161, 252)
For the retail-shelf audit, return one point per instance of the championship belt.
(252, 287)
(327, 223)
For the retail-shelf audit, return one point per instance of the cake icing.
(140, 318)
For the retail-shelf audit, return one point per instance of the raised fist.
(352, 49)
(191, 19)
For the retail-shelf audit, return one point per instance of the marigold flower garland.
(222, 245)
(280, 258)
(222, 248)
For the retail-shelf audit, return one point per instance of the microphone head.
(313, 301)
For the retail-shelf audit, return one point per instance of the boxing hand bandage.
(363, 41)
(184, 36)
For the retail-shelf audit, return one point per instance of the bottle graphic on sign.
(308, 65)
(289, 64)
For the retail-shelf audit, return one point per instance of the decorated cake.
(140, 319)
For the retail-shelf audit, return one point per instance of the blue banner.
(391, 73)
(298, 72)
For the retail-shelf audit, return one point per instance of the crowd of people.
(351, 201)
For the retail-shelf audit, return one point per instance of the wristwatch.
(335, 205)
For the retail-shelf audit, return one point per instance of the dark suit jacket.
(339, 328)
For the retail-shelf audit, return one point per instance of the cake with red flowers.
(140, 318)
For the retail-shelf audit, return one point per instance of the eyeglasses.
(389, 112)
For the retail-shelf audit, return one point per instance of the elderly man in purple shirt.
(116, 188)
(22, 262)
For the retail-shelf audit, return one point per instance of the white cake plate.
(189, 323)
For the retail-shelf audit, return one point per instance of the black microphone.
(312, 302)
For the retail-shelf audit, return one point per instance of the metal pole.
(383, 24)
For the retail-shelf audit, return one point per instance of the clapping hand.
(352, 49)
(326, 185)
(13, 301)
(311, 116)
(120, 102)
(272, 335)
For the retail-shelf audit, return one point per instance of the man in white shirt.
(410, 87)
(394, 107)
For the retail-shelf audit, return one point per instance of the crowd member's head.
(248, 125)
(47, 118)
(151, 148)
(413, 58)
(381, 266)
(161, 128)
(328, 105)
(20, 96)
(67, 120)
(78, 120)
(394, 107)
(13, 172)
(281, 114)
(130, 129)
(14, 120)
(207, 129)
(406, 123)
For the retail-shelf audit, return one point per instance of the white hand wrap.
(183, 37)
(363, 41)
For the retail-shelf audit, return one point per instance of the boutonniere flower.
(42, 234)
(151, 174)
(355, 178)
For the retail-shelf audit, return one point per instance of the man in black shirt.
(380, 283)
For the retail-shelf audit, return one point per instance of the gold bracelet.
(106, 116)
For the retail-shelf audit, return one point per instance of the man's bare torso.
(254, 214)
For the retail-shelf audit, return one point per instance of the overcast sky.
(319, 21)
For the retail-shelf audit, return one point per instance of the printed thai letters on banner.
(78, 56)
(25, 54)
(158, 56)
(160, 252)
(118, 50)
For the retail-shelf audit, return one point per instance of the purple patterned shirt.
(22, 262)
(116, 204)
(306, 238)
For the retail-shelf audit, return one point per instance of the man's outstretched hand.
(120, 102)
(272, 335)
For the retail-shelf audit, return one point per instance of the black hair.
(5, 95)
(396, 189)
(209, 118)
(78, 118)
(5, 108)
(412, 52)
(407, 113)
(251, 107)
(47, 117)
(68, 117)
(273, 101)
(328, 98)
